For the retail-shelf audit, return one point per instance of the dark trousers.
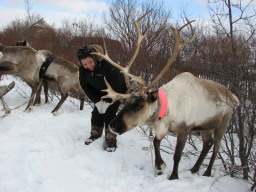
(98, 120)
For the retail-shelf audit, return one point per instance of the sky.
(45, 153)
(55, 11)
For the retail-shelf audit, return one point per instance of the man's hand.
(102, 106)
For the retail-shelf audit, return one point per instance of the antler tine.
(140, 37)
(106, 56)
(178, 46)
(188, 23)
(122, 69)
(139, 40)
(193, 32)
(114, 95)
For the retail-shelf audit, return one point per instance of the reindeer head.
(24, 43)
(142, 103)
(21, 43)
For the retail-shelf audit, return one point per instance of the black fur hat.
(86, 51)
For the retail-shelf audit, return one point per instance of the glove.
(102, 106)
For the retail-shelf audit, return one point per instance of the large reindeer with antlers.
(181, 106)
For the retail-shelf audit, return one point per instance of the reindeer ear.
(152, 95)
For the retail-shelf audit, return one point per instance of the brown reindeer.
(37, 100)
(23, 62)
(64, 73)
(181, 106)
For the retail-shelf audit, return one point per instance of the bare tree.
(234, 21)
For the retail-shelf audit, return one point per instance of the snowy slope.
(40, 152)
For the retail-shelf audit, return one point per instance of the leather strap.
(45, 65)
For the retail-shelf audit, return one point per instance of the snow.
(40, 152)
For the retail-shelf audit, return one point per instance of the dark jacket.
(92, 82)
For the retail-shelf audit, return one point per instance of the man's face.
(88, 63)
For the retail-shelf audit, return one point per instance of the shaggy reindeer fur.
(193, 105)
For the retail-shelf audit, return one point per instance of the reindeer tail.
(235, 101)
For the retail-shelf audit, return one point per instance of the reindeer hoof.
(160, 171)
(207, 173)
(172, 177)
(194, 170)
(54, 113)
(28, 110)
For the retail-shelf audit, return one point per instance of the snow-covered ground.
(40, 152)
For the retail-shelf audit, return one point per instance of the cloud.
(75, 6)
(54, 12)
(10, 14)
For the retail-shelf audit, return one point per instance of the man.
(92, 71)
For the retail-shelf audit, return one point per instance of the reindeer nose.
(117, 127)
(114, 128)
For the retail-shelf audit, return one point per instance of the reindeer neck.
(155, 115)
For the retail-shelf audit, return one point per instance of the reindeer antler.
(140, 37)
(143, 89)
(125, 70)
(178, 46)
(117, 96)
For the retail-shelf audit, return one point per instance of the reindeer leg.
(34, 90)
(63, 98)
(46, 88)
(218, 134)
(6, 108)
(82, 103)
(38, 96)
(159, 163)
(181, 140)
(207, 144)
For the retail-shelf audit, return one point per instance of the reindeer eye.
(138, 107)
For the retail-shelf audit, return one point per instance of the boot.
(110, 141)
(96, 132)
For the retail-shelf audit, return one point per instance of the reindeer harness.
(45, 65)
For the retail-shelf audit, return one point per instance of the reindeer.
(64, 73)
(23, 62)
(183, 105)
(44, 82)
(37, 100)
